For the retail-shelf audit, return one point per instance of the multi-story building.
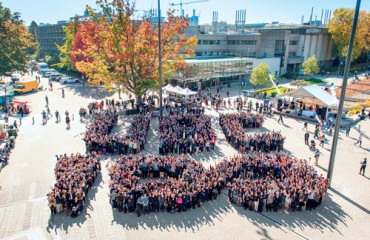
(48, 36)
(293, 44)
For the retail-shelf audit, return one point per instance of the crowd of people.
(272, 182)
(233, 127)
(161, 183)
(258, 181)
(186, 133)
(75, 174)
(97, 133)
(97, 136)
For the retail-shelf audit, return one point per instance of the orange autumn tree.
(116, 49)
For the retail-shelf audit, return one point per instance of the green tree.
(340, 29)
(310, 66)
(260, 75)
(15, 42)
(65, 60)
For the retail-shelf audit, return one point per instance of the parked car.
(55, 76)
(48, 74)
(67, 80)
(58, 78)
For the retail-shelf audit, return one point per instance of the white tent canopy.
(179, 90)
(168, 87)
(188, 92)
(315, 92)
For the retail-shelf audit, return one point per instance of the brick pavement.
(24, 213)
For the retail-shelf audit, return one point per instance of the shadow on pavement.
(96, 93)
(62, 222)
(191, 220)
(326, 216)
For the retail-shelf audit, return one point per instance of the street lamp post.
(240, 75)
(160, 58)
(343, 93)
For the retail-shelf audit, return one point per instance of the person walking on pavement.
(317, 156)
(317, 130)
(47, 100)
(359, 140)
(227, 93)
(305, 126)
(48, 111)
(15, 125)
(306, 137)
(62, 92)
(363, 166)
(68, 121)
(44, 118)
(281, 116)
(348, 129)
(57, 116)
(322, 140)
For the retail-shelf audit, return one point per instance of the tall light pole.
(160, 59)
(343, 93)
(240, 75)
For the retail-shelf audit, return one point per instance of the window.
(251, 42)
(292, 54)
(279, 48)
(293, 42)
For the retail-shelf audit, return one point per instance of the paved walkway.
(24, 213)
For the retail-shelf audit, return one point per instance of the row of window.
(225, 53)
(227, 42)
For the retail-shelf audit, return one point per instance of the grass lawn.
(272, 90)
(305, 82)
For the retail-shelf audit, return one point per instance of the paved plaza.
(24, 211)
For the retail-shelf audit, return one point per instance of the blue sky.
(285, 11)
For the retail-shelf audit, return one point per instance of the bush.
(358, 108)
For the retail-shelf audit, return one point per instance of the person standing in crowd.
(139, 205)
(305, 126)
(363, 166)
(306, 137)
(359, 140)
(348, 129)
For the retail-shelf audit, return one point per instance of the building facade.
(213, 72)
(48, 36)
(293, 44)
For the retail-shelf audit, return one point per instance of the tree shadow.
(96, 93)
(62, 222)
